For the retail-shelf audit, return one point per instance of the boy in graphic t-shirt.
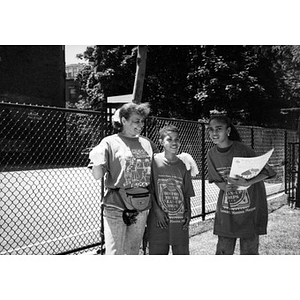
(171, 188)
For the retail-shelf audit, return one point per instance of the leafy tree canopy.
(250, 83)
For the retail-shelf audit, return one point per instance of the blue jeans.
(119, 238)
(248, 246)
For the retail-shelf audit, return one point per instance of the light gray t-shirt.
(127, 163)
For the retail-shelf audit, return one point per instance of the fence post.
(203, 160)
(297, 203)
(285, 162)
(252, 137)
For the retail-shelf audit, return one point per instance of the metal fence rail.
(50, 203)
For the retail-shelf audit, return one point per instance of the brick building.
(72, 86)
(33, 74)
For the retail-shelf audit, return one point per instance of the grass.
(283, 236)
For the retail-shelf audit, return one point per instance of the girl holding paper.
(241, 212)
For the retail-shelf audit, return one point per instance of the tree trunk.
(139, 74)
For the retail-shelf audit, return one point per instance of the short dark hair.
(164, 131)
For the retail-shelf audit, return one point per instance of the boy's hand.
(238, 181)
(231, 187)
(186, 224)
(226, 186)
(162, 219)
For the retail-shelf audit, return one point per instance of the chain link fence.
(50, 203)
(195, 141)
(292, 171)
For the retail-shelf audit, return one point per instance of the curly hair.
(127, 110)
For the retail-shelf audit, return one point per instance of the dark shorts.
(163, 249)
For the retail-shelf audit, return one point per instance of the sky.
(71, 51)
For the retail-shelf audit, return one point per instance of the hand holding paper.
(239, 181)
(245, 168)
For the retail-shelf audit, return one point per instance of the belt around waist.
(117, 189)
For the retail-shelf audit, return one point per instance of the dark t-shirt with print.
(170, 184)
(241, 213)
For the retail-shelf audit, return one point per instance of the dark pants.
(248, 246)
(158, 249)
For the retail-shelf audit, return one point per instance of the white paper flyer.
(249, 167)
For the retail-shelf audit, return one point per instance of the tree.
(251, 83)
(237, 79)
(166, 80)
(112, 73)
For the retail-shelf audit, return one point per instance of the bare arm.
(240, 181)
(226, 186)
(97, 172)
(162, 218)
(187, 213)
(221, 185)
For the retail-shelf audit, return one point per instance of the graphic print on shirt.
(137, 169)
(234, 201)
(171, 198)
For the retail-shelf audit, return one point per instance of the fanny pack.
(138, 198)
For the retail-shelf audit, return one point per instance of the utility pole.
(139, 74)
